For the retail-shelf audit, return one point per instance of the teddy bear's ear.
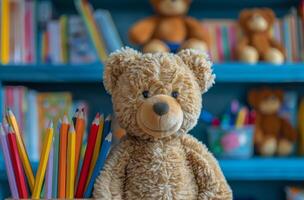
(244, 16)
(200, 65)
(279, 94)
(116, 65)
(269, 14)
(253, 98)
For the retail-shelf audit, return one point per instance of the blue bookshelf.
(225, 72)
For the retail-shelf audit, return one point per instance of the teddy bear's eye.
(174, 94)
(145, 94)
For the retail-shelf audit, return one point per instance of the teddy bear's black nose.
(161, 108)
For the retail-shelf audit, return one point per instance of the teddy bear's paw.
(274, 56)
(155, 46)
(269, 147)
(195, 44)
(285, 147)
(249, 55)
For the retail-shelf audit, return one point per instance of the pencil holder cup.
(231, 142)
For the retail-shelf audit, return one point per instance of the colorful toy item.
(273, 134)
(157, 100)
(257, 43)
(170, 29)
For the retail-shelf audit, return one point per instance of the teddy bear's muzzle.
(160, 116)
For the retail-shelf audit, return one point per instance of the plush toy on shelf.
(170, 29)
(273, 134)
(157, 100)
(256, 43)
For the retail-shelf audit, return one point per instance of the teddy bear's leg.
(249, 54)
(209, 177)
(195, 44)
(154, 46)
(274, 56)
(110, 183)
(285, 147)
(268, 147)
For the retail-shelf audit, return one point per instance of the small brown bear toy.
(273, 134)
(257, 43)
(170, 29)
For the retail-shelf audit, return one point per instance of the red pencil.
(87, 158)
(16, 162)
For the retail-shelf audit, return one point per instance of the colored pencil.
(62, 157)
(8, 164)
(17, 166)
(5, 31)
(75, 116)
(80, 126)
(105, 148)
(96, 149)
(87, 158)
(49, 175)
(43, 162)
(71, 163)
(240, 120)
(11, 119)
(55, 161)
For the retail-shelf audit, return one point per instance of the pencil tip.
(108, 117)
(2, 132)
(72, 129)
(10, 129)
(50, 124)
(65, 119)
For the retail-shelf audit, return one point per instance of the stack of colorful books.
(62, 172)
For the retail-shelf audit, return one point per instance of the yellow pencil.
(71, 163)
(5, 28)
(96, 149)
(240, 120)
(11, 119)
(43, 162)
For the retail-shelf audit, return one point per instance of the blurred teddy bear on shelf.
(273, 134)
(256, 42)
(170, 29)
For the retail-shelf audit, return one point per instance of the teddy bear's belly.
(160, 175)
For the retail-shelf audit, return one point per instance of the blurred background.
(52, 55)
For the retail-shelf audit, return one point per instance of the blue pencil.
(106, 144)
(55, 161)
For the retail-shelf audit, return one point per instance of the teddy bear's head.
(265, 100)
(256, 20)
(157, 95)
(171, 7)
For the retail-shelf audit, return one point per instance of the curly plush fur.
(146, 164)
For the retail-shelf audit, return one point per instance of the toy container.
(231, 142)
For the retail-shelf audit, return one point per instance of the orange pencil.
(79, 128)
(62, 157)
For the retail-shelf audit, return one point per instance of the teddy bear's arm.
(109, 184)
(196, 30)
(142, 31)
(209, 177)
(288, 131)
(242, 44)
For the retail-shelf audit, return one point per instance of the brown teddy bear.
(157, 100)
(273, 134)
(257, 43)
(169, 29)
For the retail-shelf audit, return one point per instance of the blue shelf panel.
(264, 169)
(262, 72)
(52, 73)
(225, 73)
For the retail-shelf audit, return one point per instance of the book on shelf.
(30, 107)
(32, 32)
